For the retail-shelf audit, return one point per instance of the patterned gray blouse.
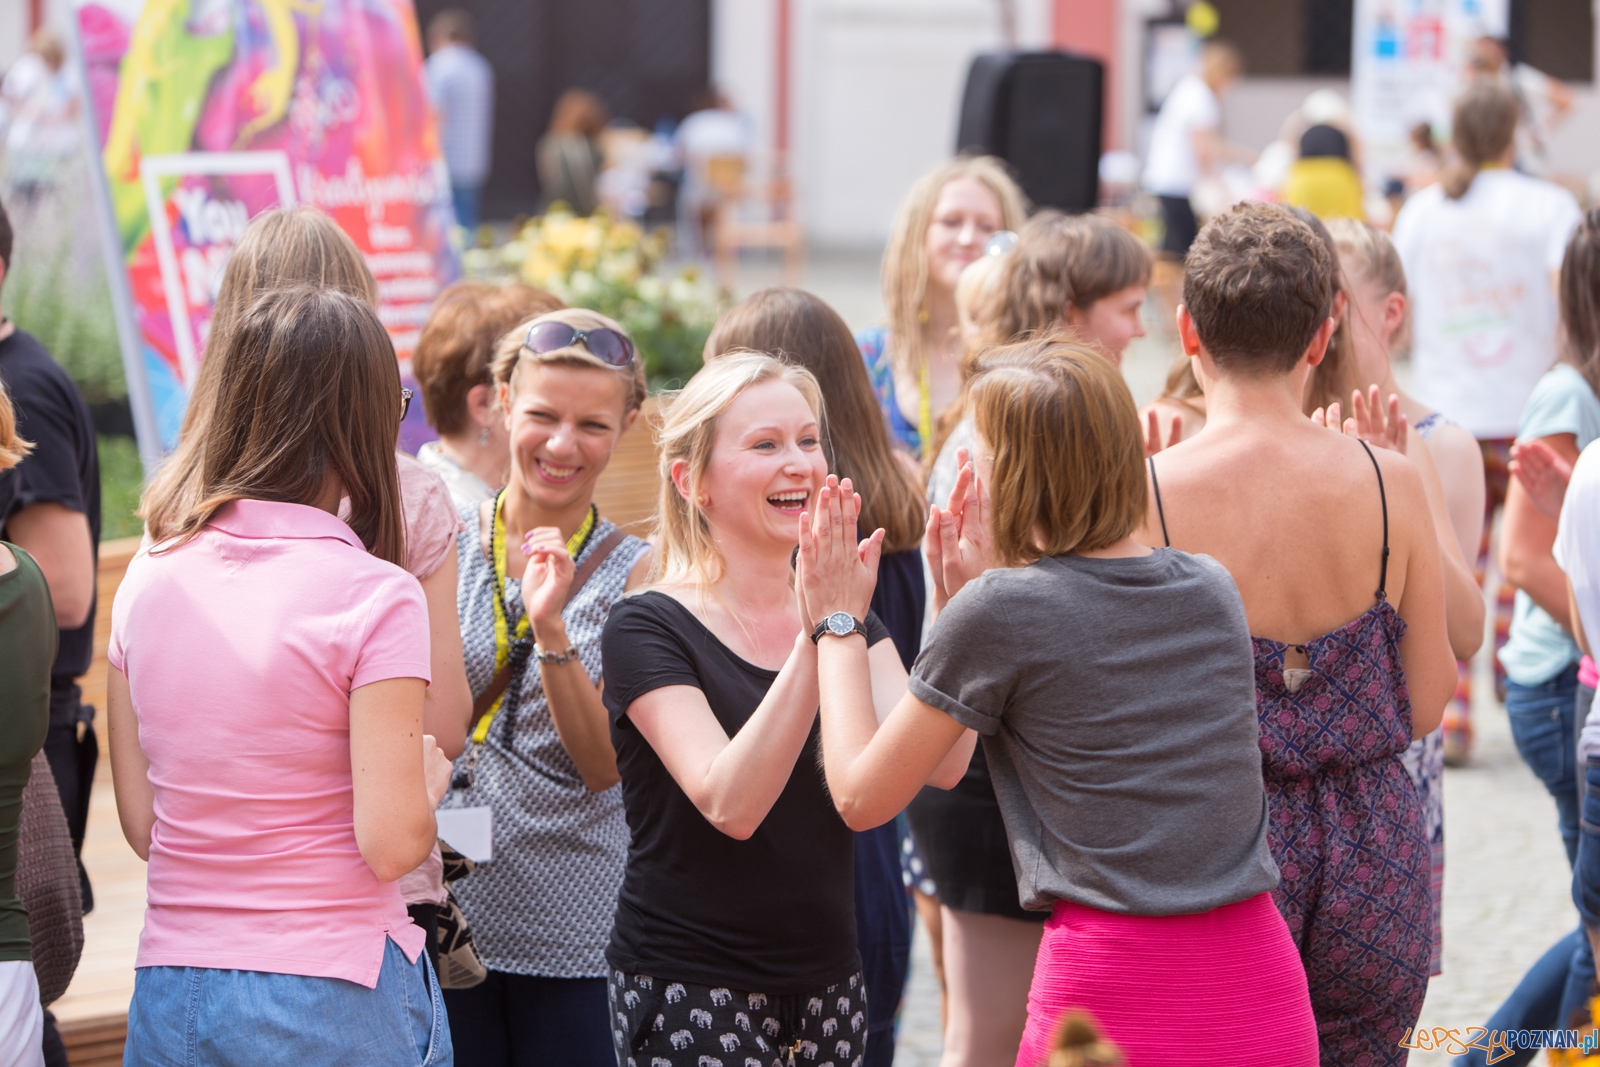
(543, 906)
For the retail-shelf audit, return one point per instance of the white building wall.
(874, 96)
(14, 26)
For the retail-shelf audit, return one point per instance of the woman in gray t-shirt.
(1114, 689)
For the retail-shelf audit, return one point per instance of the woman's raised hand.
(1372, 424)
(1544, 475)
(958, 542)
(835, 571)
(1152, 432)
(545, 581)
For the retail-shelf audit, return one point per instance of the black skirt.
(964, 847)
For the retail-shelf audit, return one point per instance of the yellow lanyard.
(925, 409)
(504, 636)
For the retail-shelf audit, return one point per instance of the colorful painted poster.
(1406, 67)
(208, 112)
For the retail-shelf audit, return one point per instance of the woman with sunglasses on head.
(540, 570)
(735, 935)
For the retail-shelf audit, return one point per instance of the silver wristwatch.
(839, 624)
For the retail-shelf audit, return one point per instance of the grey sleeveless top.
(543, 906)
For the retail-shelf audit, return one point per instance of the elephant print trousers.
(656, 1022)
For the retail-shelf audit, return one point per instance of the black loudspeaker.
(1040, 112)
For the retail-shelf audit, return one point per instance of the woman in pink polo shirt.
(265, 702)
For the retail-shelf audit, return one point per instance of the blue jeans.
(1544, 727)
(465, 200)
(194, 1016)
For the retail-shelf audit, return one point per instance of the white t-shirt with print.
(1171, 168)
(1483, 309)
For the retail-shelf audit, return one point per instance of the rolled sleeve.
(966, 669)
(972, 719)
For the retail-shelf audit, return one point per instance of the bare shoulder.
(1401, 476)
(1455, 449)
(640, 573)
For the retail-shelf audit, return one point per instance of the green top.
(27, 649)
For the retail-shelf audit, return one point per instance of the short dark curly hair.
(1258, 284)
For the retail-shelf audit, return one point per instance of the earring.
(702, 500)
(483, 438)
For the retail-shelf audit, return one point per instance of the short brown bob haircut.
(1258, 283)
(1068, 460)
(308, 386)
(458, 341)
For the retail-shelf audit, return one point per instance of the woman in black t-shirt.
(735, 928)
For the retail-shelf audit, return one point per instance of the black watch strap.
(857, 627)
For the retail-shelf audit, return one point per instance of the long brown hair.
(308, 386)
(1482, 127)
(285, 247)
(801, 328)
(905, 260)
(1580, 299)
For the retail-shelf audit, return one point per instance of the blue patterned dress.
(874, 345)
(1347, 828)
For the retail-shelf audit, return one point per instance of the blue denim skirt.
(194, 1016)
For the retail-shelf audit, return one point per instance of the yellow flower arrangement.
(614, 268)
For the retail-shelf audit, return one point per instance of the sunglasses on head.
(608, 345)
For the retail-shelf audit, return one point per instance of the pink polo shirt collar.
(265, 519)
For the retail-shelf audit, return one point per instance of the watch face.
(841, 623)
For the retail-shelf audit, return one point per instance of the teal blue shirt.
(1539, 648)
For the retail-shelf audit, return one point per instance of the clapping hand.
(1370, 423)
(958, 543)
(1544, 475)
(835, 571)
(545, 581)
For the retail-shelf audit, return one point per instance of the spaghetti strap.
(1162, 514)
(1383, 498)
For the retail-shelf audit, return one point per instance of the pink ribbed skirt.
(1224, 987)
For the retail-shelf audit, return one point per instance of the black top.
(900, 599)
(773, 914)
(63, 468)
